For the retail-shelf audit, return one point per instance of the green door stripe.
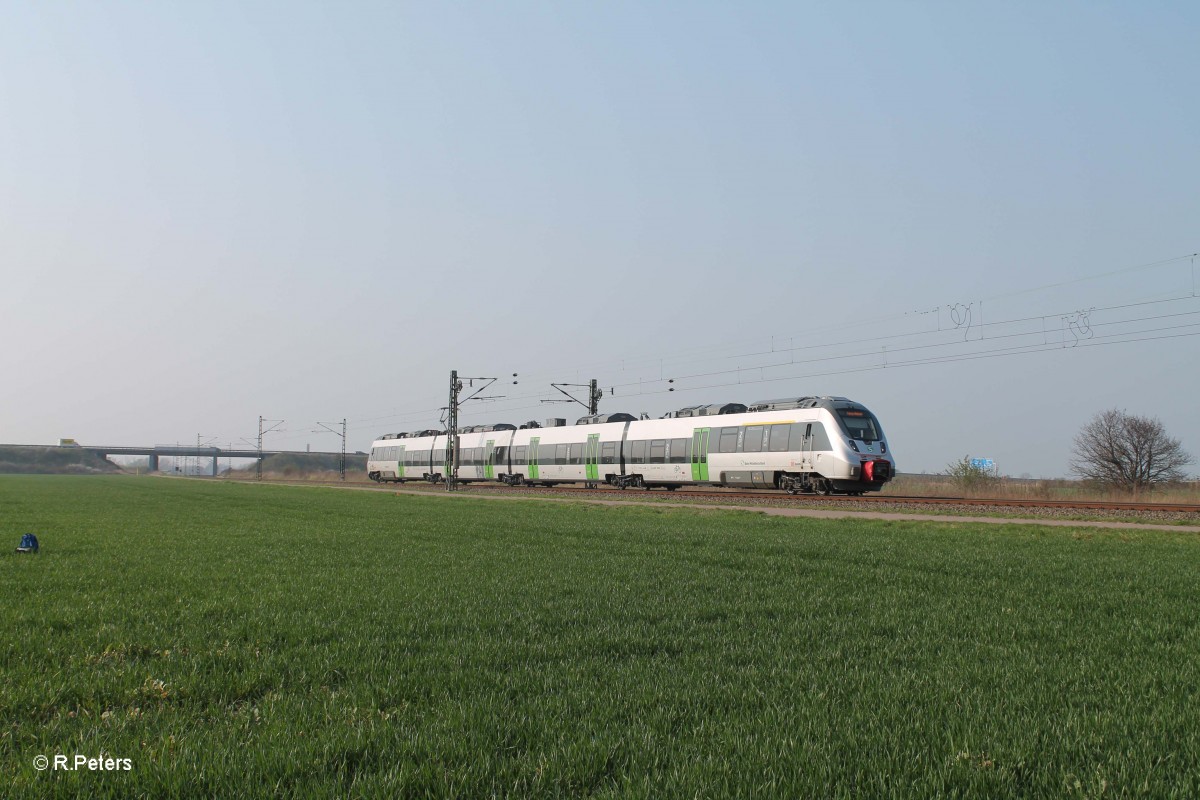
(591, 457)
(700, 454)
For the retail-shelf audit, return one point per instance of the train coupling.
(876, 470)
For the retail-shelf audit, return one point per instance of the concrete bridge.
(154, 452)
(181, 451)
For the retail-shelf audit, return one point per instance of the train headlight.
(853, 446)
(882, 446)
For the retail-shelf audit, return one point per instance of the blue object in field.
(29, 544)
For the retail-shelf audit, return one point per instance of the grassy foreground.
(234, 640)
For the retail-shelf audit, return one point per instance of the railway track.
(1094, 505)
(776, 497)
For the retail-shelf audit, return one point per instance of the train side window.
(545, 454)
(519, 454)
(797, 439)
(729, 437)
(637, 453)
(820, 440)
(608, 453)
(754, 437)
(576, 456)
(779, 438)
(679, 451)
(658, 451)
(560, 454)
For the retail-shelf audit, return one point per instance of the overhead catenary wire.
(625, 363)
(746, 366)
(645, 386)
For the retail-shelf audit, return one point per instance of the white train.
(806, 444)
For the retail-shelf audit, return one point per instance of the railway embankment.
(37, 460)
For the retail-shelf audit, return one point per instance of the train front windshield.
(860, 424)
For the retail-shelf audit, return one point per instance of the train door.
(533, 458)
(400, 462)
(591, 457)
(489, 452)
(700, 454)
(806, 448)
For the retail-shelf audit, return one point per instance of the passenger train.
(809, 444)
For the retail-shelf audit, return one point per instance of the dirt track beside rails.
(832, 514)
(786, 506)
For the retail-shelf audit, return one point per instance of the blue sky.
(214, 211)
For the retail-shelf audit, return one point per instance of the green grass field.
(235, 640)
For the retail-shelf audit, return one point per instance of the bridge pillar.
(153, 466)
(215, 454)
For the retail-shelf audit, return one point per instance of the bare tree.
(1126, 452)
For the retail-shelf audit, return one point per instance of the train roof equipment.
(786, 403)
(600, 419)
(706, 410)
(412, 434)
